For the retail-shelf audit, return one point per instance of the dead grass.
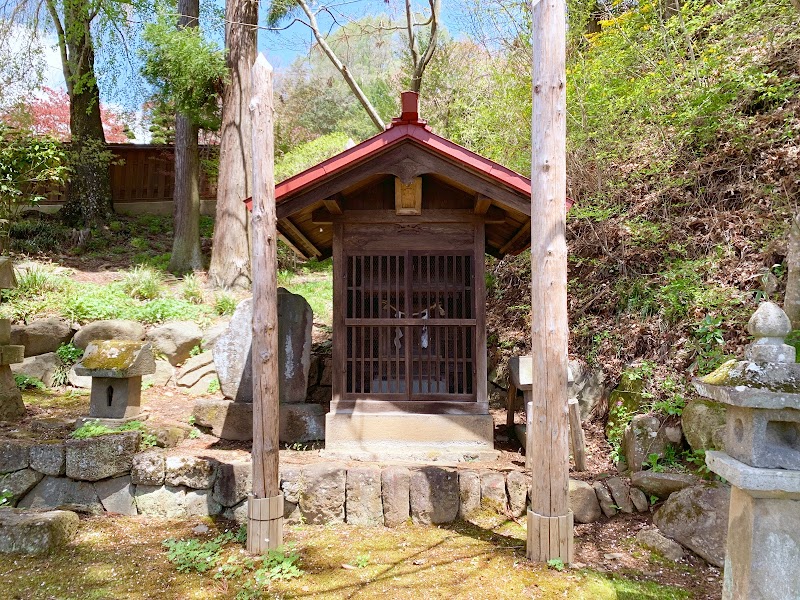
(122, 558)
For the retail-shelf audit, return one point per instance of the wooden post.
(549, 517)
(265, 506)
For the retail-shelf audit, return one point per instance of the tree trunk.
(186, 255)
(230, 254)
(791, 301)
(88, 200)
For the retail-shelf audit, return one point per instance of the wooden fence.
(144, 174)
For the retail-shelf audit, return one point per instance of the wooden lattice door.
(410, 325)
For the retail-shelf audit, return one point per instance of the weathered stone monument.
(116, 368)
(11, 405)
(761, 461)
(232, 418)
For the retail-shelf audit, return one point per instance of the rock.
(323, 495)
(314, 370)
(469, 494)
(434, 495)
(116, 495)
(232, 355)
(41, 336)
(103, 456)
(19, 483)
(169, 437)
(163, 375)
(42, 366)
(238, 513)
(49, 457)
(587, 387)
(210, 336)
(301, 423)
(639, 500)
(175, 340)
(148, 468)
(15, 455)
(493, 491)
(655, 542)
(226, 419)
(191, 471)
(604, 498)
(363, 496)
(395, 490)
(160, 501)
(83, 382)
(291, 486)
(624, 400)
(702, 420)
(200, 503)
(643, 437)
(54, 492)
(233, 482)
(620, 492)
(232, 350)
(194, 369)
(114, 329)
(662, 484)
(583, 502)
(325, 378)
(697, 517)
(52, 425)
(517, 485)
(11, 406)
(23, 532)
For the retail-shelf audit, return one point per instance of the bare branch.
(62, 44)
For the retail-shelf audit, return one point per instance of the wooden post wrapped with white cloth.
(549, 518)
(265, 505)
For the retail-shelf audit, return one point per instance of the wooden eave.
(405, 150)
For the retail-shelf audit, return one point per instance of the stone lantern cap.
(748, 384)
(116, 359)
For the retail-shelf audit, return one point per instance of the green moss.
(720, 375)
(113, 354)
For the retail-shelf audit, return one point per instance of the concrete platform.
(412, 437)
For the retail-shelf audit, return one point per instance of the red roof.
(408, 127)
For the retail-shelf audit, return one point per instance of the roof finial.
(409, 102)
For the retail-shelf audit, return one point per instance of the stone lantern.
(116, 368)
(11, 405)
(761, 461)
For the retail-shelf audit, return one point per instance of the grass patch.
(313, 281)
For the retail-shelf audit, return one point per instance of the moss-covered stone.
(625, 401)
(116, 358)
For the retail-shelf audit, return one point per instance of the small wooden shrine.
(408, 217)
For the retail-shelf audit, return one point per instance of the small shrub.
(192, 289)
(225, 304)
(27, 383)
(139, 243)
(38, 280)
(5, 497)
(69, 354)
(213, 386)
(143, 283)
(194, 555)
(206, 226)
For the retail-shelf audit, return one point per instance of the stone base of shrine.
(411, 437)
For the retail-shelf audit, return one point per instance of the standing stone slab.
(14, 455)
(643, 437)
(116, 495)
(232, 350)
(703, 422)
(395, 492)
(19, 483)
(363, 496)
(148, 468)
(583, 502)
(103, 456)
(233, 482)
(697, 517)
(493, 491)
(517, 485)
(52, 492)
(49, 457)
(24, 532)
(639, 500)
(469, 494)
(621, 492)
(196, 472)
(434, 495)
(323, 495)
